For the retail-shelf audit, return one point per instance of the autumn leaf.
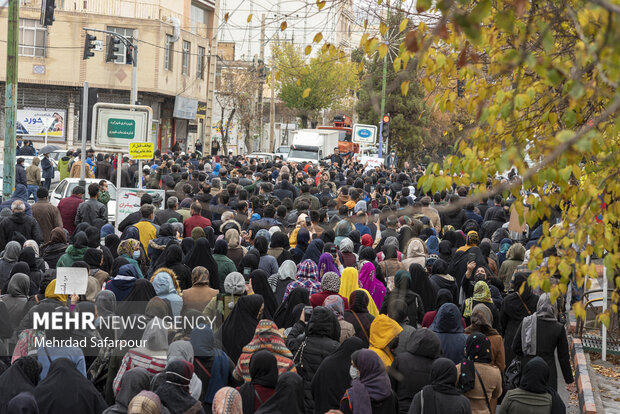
(317, 37)
(422, 5)
(462, 59)
(226, 16)
(443, 32)
(383, 49)
(283, 26)
(403, 25)
(298, 82)
(277, 75)
(411, 41)
(382, 28)
(404, 88)
(306, 93)
(308, 50)
(520, 6)
(320, 4)
(249, 17)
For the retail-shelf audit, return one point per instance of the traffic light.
(386, 126)
(129, 55)
(113, 48)
(47, 12)
(89, 45)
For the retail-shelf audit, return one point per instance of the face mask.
(354, 373)
(136, 254)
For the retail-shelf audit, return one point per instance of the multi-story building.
(177, 45)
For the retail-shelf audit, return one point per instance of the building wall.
(63, 64)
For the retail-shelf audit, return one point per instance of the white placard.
(372, 161)
(70, 280)
(364, 134)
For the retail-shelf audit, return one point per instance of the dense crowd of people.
(299, 288)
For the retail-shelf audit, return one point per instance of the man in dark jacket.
(411, 369)
(104, 168)
(162, 216)
(20, 223)
(320, 341)
(68, 208)
(47, 169)
(92, 211)
(47, 215)
(495, 219)
(285, 189)
(20, 173)
(452, 214)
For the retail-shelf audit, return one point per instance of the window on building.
(186, 50)
(168, 53)
(32, 38)
(200, 66)
(122, 54)
(198, 17)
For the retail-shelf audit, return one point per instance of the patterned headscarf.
(326, 265)
(336, 305)
(482, 293)
(267, 336)
(330, 282)
(472, 238)
(227, 401)
(127, 247)
(146, 402)
(308, 270)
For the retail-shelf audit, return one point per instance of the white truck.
(312, 145)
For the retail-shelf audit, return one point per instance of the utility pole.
(272, 111)
(262, 80)
(10, 111)
(383, 92)
(84, 116)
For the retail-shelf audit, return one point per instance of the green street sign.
(121, 128)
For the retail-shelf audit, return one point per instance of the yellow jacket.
(383, 330)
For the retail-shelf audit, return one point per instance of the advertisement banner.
(141, 150)
(364, 134)
(34, 122)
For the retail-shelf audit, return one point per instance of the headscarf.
(251, 261)
(336, 305)
(307, 277)
(198, 233)
(288, 397)
(92, 288)
(482, 320)
(421, 284)
(349, 282)
(127, 247)
(221, 247)
(27, 255)
(12, 250)
(314, 251)
(203, 345)
(266, 337)
(432, 244)
(482, 294)
(132, 382)
(260, 285)
(284, 317)
(174, 393)
(361, 301)
(330, 282)
(332, 378)
(227, 401)
(234, 284)
(186, 245)
(112, 242)
(264, 369)
(200, 255)
(146, 402)
(343, 228)
(106, 230)
(117, 264)
(368, 280)
(238, 329)
(445, 251)
(471, 240)
(23, 403)
(373, 383)
(545, 310)
(22, 375)
(57, 235)
(105, 303)
(49, 293)
(137, 299)
(477, 349)
(326, 264)
(287, 270)
(535, 379)
(443, 376)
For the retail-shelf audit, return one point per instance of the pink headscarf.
(368, 279)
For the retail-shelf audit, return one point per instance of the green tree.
(309, 85)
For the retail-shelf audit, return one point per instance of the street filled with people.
(266, 286)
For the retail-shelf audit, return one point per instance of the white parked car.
(282, 151)
(28, 163)
(266, 156)
(66, 186)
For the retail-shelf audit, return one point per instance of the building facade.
(177, 44)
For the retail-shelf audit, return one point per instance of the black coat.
(21, 223)
(386, 406)
(20, 175)
(454, 218)
(162, 216)
(411, 369)
(415, 308)
(312, 347)
(511, 315)
(550, 335)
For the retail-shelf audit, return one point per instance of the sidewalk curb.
(587, 403)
